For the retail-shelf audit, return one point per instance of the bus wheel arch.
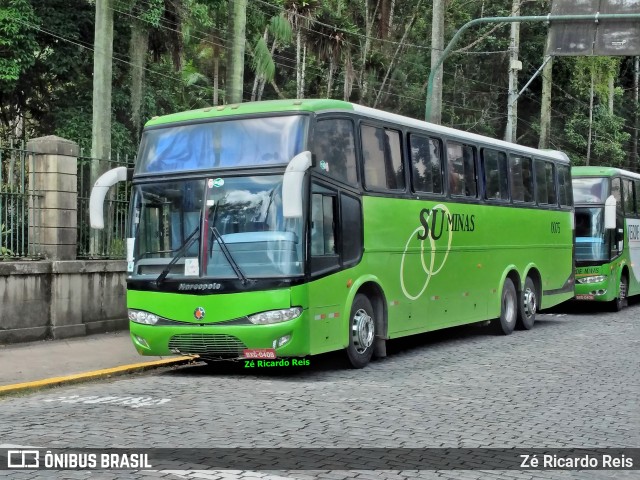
(530, 299)
(368, 296)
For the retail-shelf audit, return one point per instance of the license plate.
(260, 353)
(585, 297)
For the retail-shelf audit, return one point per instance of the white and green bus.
(607, 234)
(289, 228)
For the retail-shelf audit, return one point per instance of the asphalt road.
(571, 382)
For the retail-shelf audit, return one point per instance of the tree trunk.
(633, 161)
(263, 80)
(258, 76)
(383, 24)
(437, 47)
(332, 69)
(138, 51)
(611, 94)
(407, 29)
(365, 50)
(304, 67)
(298, 66)
(216, 79)
(235, 67)
(593, 81)
(545, 108)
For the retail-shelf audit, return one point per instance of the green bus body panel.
(627, 262)
(267, 106)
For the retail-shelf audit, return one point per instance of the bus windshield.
(590, 190)
(222, 144)
(592, 241)
(246, 213)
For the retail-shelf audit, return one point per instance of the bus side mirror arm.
(99, 192)
(292, 185)
(610, 213)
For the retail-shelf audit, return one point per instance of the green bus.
(607, 209)
(281, 229)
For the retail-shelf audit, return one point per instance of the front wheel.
(621, 302)
(509, 309)
(362, 332)
(528, 305)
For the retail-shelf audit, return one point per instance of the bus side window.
(461, 169)
(426, 164)
(616, 191)
(382, 152)
(564, 186)
(333, 149)
(545, 183)
(637, 184)
(628, 193)
(494, 166)
(323, 229)
(521, 169)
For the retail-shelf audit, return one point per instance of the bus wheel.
(528, 305)
(509, 309)
(362, 332)
(621, 302)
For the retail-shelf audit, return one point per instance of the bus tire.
(506, 323)
(621, 300)
(362, 332)
(528, 305)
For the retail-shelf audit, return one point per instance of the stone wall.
(60, 299)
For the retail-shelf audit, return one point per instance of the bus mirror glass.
(610, 213)
(292, 185)
(99, 191)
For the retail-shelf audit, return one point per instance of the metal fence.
(17, 199)
(110, 242)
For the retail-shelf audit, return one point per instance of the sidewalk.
(32, 365)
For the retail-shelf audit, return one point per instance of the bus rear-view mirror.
(610, 213)
(292, 185)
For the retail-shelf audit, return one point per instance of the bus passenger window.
(383, 166)
(333, 148)
(426, 164)
(521, 178)
(628, 192)
(545, 183)
(495, 174)
(616, 191)
(323, 239)
(461, 169)
(565, 193)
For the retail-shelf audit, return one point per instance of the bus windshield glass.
(592, 241)
(590, 190)
(222, 144)
(246, 213)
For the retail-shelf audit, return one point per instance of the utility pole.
(101, 126)
(633, 161)
(437, 51)
(235, 65)
(514, 66)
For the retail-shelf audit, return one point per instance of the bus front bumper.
(596, 291)
(288, 339)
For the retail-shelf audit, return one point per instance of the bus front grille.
(207, 344)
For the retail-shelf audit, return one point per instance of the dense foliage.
(170, 55)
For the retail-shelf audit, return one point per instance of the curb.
(96, 374)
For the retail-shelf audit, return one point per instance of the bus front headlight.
(275, 316)
(592, 279)
(140, 316)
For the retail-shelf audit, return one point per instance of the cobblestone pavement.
(571, 382)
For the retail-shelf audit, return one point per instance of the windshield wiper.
(179, 253)
(228, 256)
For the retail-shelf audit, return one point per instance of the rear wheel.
(362, 332)
(509, 309)
(621, 302)
(528, 305)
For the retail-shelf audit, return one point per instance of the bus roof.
(324, 105)
(602, 172)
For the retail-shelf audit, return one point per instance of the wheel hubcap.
(362, 331)
(529, 302)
